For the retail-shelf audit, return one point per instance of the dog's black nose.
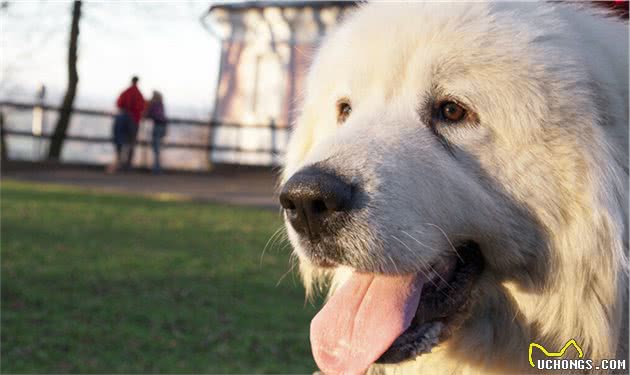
(311, 197)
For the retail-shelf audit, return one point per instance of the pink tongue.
(361, 321)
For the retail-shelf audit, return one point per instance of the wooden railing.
(172, 121)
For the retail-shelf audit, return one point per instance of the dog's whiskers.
(429, 265)
(425, 273)
(423, 265)
(293, 264)
(273, 236)
(285, 246)
(447, 239)
(393, 263)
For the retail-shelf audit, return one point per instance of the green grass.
(103, 283)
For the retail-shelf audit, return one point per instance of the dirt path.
(239, 185)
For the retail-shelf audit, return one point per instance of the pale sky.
(164, 43)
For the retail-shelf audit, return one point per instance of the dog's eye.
(343, 110)
(451, 112)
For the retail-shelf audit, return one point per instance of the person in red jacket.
(131, 106)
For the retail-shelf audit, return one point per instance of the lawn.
(105, 283)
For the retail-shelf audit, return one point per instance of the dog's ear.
(594, 257)
(610, 225)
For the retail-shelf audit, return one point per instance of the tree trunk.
(65, 112)
(3, 144)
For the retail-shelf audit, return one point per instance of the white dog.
(458, 178)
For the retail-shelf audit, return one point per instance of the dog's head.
(439, 147)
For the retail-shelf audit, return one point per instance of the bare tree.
(65, 112)
(3, 144)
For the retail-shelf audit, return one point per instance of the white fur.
(541, 183)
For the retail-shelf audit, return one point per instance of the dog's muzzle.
(312, 200)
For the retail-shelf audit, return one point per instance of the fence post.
(37, 126)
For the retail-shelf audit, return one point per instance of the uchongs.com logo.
(554, 360)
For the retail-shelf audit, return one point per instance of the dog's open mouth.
(390, 319)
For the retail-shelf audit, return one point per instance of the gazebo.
(266, 47)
